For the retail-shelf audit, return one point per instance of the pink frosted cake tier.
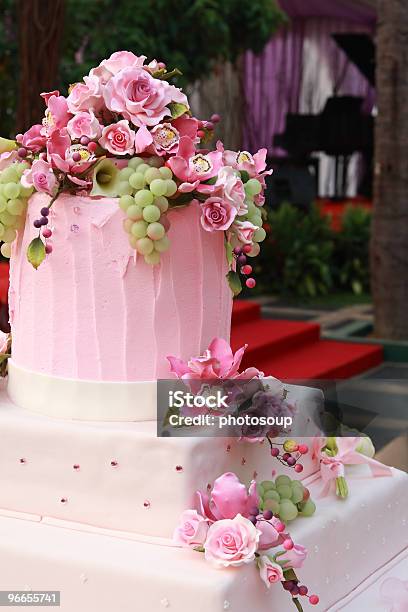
(119, 476)
(93, 311)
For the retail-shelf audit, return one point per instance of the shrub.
(351, 253)
(297, 256)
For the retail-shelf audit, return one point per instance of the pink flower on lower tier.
(118, 138)
(293, 558)
(41, 176)
(192, 530)
(228, 498)
(218, 362)
(269, 571)
(33, 139)
(84, 124)
(231, 542)
(139, 97)
(217, 214)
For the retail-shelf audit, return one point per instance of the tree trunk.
(389, 243)
(40, 30)
(221, 93)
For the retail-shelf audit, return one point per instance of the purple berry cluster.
(42, 222)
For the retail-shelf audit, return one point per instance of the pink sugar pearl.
(288, 544)
(314, 600)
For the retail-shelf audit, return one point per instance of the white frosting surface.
(107, 472)
(99, 571)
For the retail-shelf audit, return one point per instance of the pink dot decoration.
(22, 460)
(76, 466)
(63, 500)
(146, 504)
(114, 463)
(179, 468)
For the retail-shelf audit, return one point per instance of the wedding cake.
(128, 237)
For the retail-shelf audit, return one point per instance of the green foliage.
(8, 66)
(192, 35)
(298, 252)
(351, 254)
(303, 257)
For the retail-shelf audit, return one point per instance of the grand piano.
(341, 129)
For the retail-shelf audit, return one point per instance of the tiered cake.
(90, 497)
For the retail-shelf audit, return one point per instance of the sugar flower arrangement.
(251, 395)
(125, 131)
(229, 528)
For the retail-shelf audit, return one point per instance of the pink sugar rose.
(192, 530)
(293, 558)
(270, 572)
(231, 542)
(139, 97)
(232, 189)
(85, 96)
(244, 231)
(116, 62)
(118, 138)
(41, 176)
(217, 214)
(33, 139)
(84, 124)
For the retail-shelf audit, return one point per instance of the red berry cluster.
(244, 268)
(289, 454)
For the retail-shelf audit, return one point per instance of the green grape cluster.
(286, 498)
(252, 188)
(13, 204)
(144, 188)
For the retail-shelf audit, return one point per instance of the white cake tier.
(105, 572)
(121, 475)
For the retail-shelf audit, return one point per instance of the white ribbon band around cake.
(85, 400)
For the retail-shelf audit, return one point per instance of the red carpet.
(294, 350)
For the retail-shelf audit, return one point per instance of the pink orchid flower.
(56, 114)
(242, 160)
(227, 498)
(60, 151)
(194, 167)
(217, 363)
(164, 138)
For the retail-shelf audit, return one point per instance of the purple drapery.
(273, 79)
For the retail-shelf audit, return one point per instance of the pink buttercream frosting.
(95, 311)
